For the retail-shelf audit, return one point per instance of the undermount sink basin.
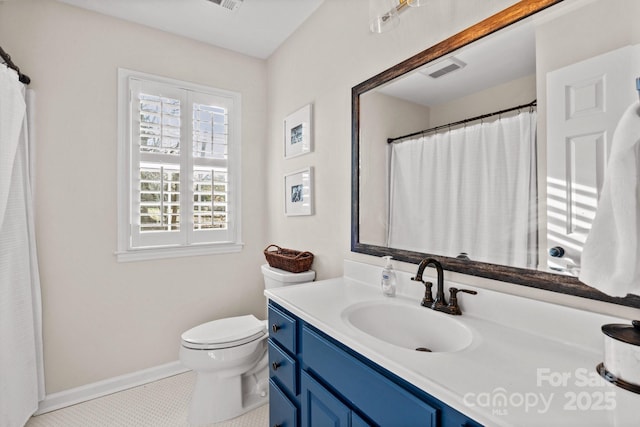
(410, 327)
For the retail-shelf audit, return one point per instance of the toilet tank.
(275, 278)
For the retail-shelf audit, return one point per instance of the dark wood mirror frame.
(537, 279)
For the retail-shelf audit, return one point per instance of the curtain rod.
(484, 116)
(7, 60)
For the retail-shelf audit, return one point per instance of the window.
(179, 153)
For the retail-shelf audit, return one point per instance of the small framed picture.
(298, 193)
(297, 132)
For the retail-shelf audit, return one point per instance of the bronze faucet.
(439, 303)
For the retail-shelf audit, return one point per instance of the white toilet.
(230, 359)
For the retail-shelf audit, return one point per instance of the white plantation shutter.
(210, 178)
(157, 150)
(183, 165)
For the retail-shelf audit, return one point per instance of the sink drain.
(424, 349)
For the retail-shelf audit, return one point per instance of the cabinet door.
(320, 407)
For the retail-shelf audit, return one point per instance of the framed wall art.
(298, 192)
(298, 130)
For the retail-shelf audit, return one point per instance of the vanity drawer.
(282, 412)
(282, 328)
(384, 401)
(283, 367)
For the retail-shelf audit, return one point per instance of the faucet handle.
(428, 298)
(453, 300)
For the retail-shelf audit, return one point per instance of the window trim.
(125, 251)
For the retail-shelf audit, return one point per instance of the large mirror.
(488, 149)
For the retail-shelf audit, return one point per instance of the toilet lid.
(224, 333)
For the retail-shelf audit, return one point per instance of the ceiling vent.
(443, 67)
(231, 5)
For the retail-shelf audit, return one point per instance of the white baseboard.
(83, 393)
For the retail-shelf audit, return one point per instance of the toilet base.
(215, 399)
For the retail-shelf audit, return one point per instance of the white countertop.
(530, 363)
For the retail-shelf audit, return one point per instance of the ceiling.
(256, 28)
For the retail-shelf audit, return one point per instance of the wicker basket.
(288, 259)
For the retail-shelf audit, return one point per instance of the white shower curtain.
(21, 367)
(471, 189)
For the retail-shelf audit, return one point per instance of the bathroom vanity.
(341, 353)
(329, 384)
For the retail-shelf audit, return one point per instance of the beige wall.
(103, 318)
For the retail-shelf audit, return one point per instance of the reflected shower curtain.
(21, 368)
(471, 190)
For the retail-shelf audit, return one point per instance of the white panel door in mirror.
(585, 103)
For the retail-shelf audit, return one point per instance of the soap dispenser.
(388, 281)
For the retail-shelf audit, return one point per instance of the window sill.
(145, 254)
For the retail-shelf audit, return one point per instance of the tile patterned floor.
(162, 403)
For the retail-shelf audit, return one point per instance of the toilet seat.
(224, 333)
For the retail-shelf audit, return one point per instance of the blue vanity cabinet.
(339, 387)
